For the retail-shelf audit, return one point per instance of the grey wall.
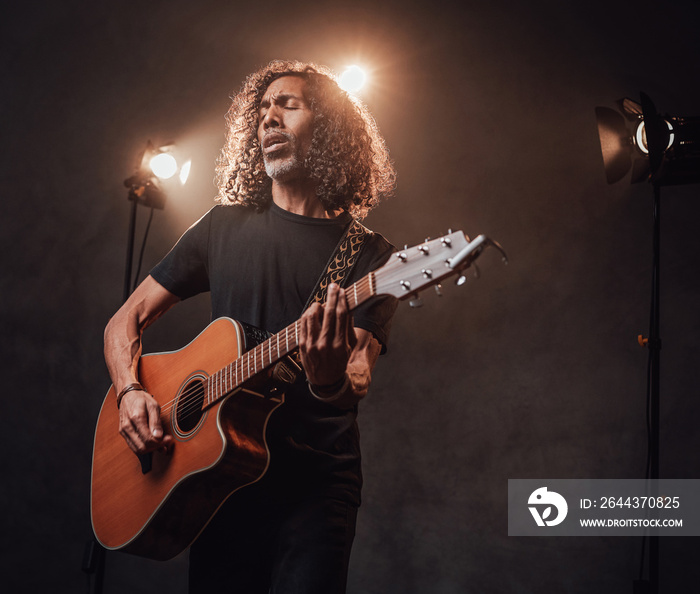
(532, 371)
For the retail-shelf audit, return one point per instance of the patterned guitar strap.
(338, 269)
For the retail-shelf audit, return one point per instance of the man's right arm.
(139, 413)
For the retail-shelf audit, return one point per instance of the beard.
(286, 164)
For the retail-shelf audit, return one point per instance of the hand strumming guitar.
(139, 423)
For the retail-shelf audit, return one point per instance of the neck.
(299, 197)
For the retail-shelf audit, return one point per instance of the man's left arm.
(338, 359)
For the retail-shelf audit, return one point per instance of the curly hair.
(347, 159)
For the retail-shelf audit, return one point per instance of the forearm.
(122, 338)
(122, 349)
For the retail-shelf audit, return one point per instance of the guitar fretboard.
(267, 353)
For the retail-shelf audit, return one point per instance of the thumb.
(154, 423)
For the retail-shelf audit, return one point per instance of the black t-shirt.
(261, 268)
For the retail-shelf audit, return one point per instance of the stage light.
(352, 79)
(663, 149)
(163, 165)
(156, 165)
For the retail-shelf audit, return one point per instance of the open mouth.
(273, 142)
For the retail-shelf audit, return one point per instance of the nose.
(272, 118)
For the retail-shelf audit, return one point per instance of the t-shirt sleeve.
(376, 314)
(184, 271)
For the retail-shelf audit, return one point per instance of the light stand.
(664, 151)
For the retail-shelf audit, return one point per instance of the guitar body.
(158, 512)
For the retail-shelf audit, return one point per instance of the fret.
(255, 360)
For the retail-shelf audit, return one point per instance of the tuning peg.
(416, 302)
(438, 290)
(463, 277)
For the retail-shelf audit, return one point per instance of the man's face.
(285, 128)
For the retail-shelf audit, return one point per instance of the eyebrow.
(281, 99)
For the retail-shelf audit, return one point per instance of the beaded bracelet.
(129, 388)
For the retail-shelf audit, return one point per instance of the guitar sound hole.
(189, 406)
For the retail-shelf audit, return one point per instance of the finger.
(329, 314)
(130, 418)
(140, 433)
(154, 423)
(301, 332)
(129, 441)
(341, 320)
(314, 319)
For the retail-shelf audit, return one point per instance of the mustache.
(277, 133)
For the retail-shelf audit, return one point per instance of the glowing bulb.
(185, 172)
(353, 79)
(641, 137)
(163, 165)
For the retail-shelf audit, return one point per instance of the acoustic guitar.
(214, 404)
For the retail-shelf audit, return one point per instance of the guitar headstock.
(413, 269)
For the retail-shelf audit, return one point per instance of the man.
(301, 157)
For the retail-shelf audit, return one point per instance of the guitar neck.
(276, 347)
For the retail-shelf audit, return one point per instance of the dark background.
(533, 371)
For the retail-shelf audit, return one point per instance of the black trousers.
(265, 540)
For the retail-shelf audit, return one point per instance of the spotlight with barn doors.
(656, 148)
(663, 150)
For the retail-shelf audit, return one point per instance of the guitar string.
(362, 291)
(190, 396)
